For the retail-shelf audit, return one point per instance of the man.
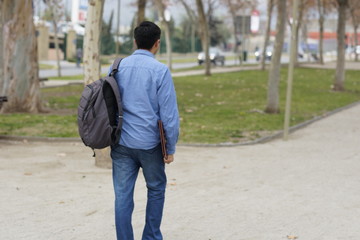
(78, 57)
(148, 95)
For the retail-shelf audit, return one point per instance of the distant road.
(70, 69)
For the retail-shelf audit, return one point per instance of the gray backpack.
(100, 111)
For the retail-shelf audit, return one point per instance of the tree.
(274, 73)
(92, 41)
(216, 29)
(107, 38)
(193, 23)
(92, 68)
(204, 30)
(56, 12)
(321, 29)
(234, 7)
(340, 62)
(354, 6)
(19, 68)
(185, 36)
(302, 8)
(165, 23)
(141, 4)
(323, 6)
(270, 7)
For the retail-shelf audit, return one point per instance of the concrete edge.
(38, 139)
(256, 141)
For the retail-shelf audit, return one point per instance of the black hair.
(146, 34)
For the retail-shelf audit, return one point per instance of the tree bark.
(56, 41)
(166, 26)
(193, 20)
(91, 46)
(354, 6)
(267, 33)
(274, 73)
(92, 69)
(356, 42)
(19, 79)
(233, 11)
(204, 28)
(141, 11)
(299, 20)
(321, 10)
(340, 62)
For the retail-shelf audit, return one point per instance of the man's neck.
(152, 50)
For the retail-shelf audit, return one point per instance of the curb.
(256, 141)
(38, 139)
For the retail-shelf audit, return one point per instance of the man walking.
(148, 95)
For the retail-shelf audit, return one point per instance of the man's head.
(146, 35)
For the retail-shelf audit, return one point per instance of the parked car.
(269, 52)
(216, 56)
(357, 49)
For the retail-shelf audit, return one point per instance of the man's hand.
(169, 159)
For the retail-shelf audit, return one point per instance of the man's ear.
(135, 44)
(157, 43)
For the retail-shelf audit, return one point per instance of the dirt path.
(306, 187)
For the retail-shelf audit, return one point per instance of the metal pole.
(290, 71)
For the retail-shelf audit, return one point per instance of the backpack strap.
(115, 66)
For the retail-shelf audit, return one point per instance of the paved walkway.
(306, 187)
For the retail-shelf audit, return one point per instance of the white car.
(357, 49)
(216, 56)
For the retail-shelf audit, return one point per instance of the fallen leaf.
(292, 237)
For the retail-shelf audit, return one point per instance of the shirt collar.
(144, 52)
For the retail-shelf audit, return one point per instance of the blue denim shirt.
(148, 94)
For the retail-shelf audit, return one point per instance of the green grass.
(44, 66)
(74, 77)
(228, 107)
(221, 108)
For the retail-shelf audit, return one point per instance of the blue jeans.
(126, 165)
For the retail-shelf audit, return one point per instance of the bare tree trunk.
(193, 20)
(168, 44)
(56, 41)
(91, 46)
(233, 16)
(165, 23)
(141, 11)
(19, 79)
(340, 62)
(204, 35)
(305, 39)
(267, 34)
(193, 31)
(298, 25)
(92, 69)
(354, 6)
(321, 30)
(274, 73)
(2, 20)
(356, 42)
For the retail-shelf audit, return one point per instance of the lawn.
(220, 108)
